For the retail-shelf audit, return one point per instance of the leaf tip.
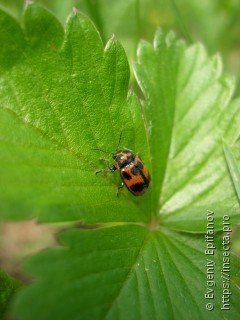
(143, 45)
(115, 45)
(28, 2)
(229, 81)
(75, 10)
(111, 41)
(170, 38)
(157, 37)
(27, 5)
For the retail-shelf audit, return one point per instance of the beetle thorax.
(122, 158)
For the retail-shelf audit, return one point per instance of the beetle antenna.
(101, 150)
(119, 139)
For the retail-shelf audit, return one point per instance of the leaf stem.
(180, 21)
(137, 24)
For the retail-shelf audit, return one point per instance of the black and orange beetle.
(134, 173)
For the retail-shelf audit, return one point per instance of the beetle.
(133, 171)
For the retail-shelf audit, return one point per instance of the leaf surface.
(8, 287)
(61, 96)
(188, 104)
(126, 272)
(233, 168)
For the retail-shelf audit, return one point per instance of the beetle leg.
(117, 193)
(110, 168)
(108, 163)
(102, 170)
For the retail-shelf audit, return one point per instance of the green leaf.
(62, 93)
(65, 96)
(126, 272)
(11, 35)
(188, 111)
(8, 287)
(233, 168)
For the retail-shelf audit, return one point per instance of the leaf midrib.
(130, 273)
